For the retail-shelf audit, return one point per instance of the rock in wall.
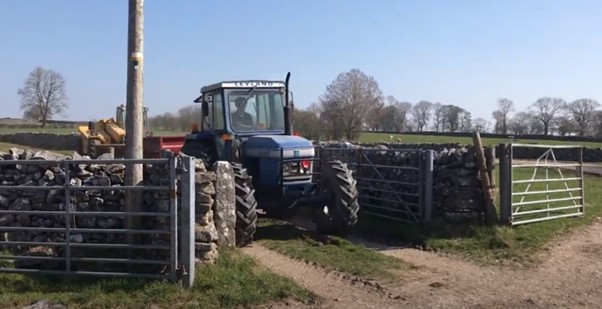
(206, 234)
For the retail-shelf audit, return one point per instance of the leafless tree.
(438, 116)
(422, 113)
(308, 123)
(481, 125)
(394, 115)
(452, 116)
(521, 123)
(545, 109)
(582, 113)
(348, 101)
(564, 125)
(188, 116)
(465, 121)
(505, 106)
(498, 119)
(43, 94)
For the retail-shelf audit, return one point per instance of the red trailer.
(153, 145)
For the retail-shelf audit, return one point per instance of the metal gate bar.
(170, 260)
(543, 203)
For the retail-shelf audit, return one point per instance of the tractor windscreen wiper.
(248, 95)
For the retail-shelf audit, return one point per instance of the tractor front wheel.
(246, 206)
(340, 214)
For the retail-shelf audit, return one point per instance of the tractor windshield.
(261, 111)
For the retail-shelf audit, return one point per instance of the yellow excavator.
(108, 136)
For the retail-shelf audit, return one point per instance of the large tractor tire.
(342, 206)
(246, 206)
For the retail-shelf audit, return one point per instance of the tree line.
(353, 102)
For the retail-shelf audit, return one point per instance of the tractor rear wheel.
(342, 206)
(246, 206)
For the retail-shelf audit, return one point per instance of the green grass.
(235, 281)
(332, 253)
(493, 244)
(414, 139)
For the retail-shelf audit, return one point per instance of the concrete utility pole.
(134, 124)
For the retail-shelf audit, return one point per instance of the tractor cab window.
(261, 111)
(215, 118)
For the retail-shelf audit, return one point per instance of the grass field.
(414, 139)
(364, 138)
(332, 253)
(497, 244)
(236, 281)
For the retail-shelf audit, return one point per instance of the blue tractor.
(248, 123)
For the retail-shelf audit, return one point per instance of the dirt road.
(569, 277)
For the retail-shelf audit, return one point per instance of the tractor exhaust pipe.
(288, 129)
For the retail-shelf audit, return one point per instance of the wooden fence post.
(490, 211)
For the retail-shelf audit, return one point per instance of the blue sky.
(467, 53)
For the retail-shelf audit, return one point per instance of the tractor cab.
(243, 108)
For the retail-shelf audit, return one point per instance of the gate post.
(505, 183)
(187, 235)
(427, 185)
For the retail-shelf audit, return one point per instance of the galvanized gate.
(55, 223)
(542, 189)
(396, 184)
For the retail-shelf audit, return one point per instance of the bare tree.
(498, 119)
(465, 121)
(438, 116)
(43, 94)
(452, 116)
(564, 125)
(422, 113)
(394, 115)
(481, 124)
(308, 123)
(582, 113)
(545, 110)
(521, 123)
(348, 101)
(505, 106)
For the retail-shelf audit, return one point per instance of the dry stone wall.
(457, 192)
(43, 173)
(49, 141)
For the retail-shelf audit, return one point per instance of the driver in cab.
(241, 120)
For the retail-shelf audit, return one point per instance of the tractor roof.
(244, 84)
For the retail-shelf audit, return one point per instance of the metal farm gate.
(542, 189)
(54, 223)
(396, 184)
